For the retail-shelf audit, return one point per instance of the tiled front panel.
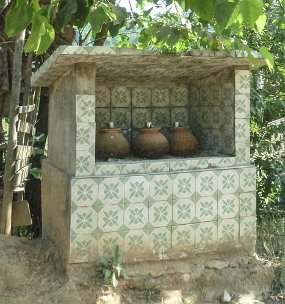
(152, 215)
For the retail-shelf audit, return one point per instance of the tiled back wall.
(206, 105)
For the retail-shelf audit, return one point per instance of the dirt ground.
(30, 272)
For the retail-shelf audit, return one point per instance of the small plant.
(111, 267)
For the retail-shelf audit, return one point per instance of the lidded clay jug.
(150, 143)
(111, 143)
(182, 141)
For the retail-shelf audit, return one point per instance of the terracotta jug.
(183, 142)
(150, 143)
(111, 143)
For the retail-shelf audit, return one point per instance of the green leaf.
(18, 18)
(98, 17)
(225, 13)
(163, 33)
(250, 11)
(174, 37)
(107, 275)
(46, 39)
(36, 173)
(81, 14)
(267, 57)
(114, 29)
(204, 9)
(121, 14)
(66, 9)
(260, 22)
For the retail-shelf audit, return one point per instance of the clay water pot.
(183, 142)
(111, 143)
(150, 143)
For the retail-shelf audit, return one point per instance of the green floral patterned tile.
(121, 117)
(85, 108)
(140, 116)
(248, 179)
(216, 117)
(83, 220)
(242, 81)
(161, 117)
(228, 117)
(160, 97)
(194, 95)
(156, 166)
(206, 183)
(184, 211)
(228, 94)
(206, 235)
(136, 189)
(228, 230)
(183, 237)
(183, 185)
(141, 97)
(83, 249)
(242, 106)
(206, 209)
(180, 165)
(242, 130)
(160, 187)
(179, 114)
(85, 163)
(228, 206)
(179, 97)
(218, 141)
(121, 97)
(111, 191)
(103, 116)
(242, 154)
(133, 168)
(107, 242)
(102, 97)
(85, 135)
(228, 181)
(110, 218)
(216, 95)
(247, 204)
(137, 244)
(84, 192)
(103, 169)
(248, 227)
(160, 213)
(136, 216)
(204, 96)
(200, 163)
(160, 240)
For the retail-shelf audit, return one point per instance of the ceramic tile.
(121, 97)
(242, 154)
(160, 213)
(110, 218)
(140, 116)
(206, 183)
(84, 192)
(121, 117)
(107, 243)
(103, 116)
(194, 95)
(228, 206)
(218, 141)
(228, 181)
(228, 117)
(141, 97)
(228, 94)
(204, 100)
(160, 187)
(228, 230)
(179, 97)
(179, 114)
(216, 117)
(183, 237)
(184, 211)
(102, 96)
(242, 130)
(85, 108)
(242, 106)
(156, 166)
(160, 240)
(136, 243)
(83, 248)
(248, 179)
(216, 99)
(226, 162)
(160, 97)
(183, 185)
(247, 204)
(136, 189)
(83, 220)
(85, 135)
(200, 163)
(242, 81)
(133, 168)
(85, 163)
(136, 216)
(206, 234)
(161, 117)
(206, 209)
(180, 165)
(107, 169)
(111, 191)
(248, 226)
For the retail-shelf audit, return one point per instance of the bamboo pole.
(6, 210)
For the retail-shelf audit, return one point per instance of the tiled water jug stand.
(167, 208)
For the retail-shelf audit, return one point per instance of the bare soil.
(31, 272)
